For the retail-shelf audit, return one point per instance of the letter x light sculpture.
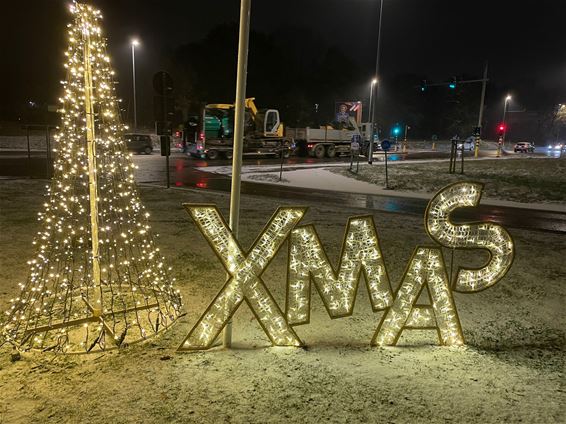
(244, 282)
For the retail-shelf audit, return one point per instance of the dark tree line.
(295, 71)
(291, 70)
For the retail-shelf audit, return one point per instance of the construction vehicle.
(327, 140)
(263, 132)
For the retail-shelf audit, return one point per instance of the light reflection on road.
(553, 153)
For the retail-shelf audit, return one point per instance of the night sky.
(523, 41)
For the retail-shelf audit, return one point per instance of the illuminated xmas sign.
(308, 265)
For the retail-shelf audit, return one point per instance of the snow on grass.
(512, 369)
(527, 180)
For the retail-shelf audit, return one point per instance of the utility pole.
(374, 107)
(239, 115)
(480, 117)
(507, 99)
(373, 82)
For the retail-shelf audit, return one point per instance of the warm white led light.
(308, 262)
(76, 299)
(244, 282)
(425, 270)
(485, 235)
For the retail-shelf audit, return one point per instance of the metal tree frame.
(97, 273)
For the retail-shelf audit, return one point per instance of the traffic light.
(396, 130)
(452, 85)
(501, 130)
(423, 86)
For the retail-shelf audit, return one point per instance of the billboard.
(343, 111)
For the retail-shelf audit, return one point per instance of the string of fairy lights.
(426, 270)
(99, 280)
(361, 253)
(245, 282)
(136, 296)
(491, 237)
(308, 265)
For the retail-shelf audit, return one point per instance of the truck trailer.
(327, 140)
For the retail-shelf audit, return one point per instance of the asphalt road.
(184, 173)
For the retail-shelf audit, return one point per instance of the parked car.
(468, 144)
(524, 147)
(140, 143)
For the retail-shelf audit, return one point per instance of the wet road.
(184, 173)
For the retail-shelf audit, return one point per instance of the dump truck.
(263, 132)
(327, 140)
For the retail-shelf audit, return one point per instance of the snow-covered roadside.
(378, 161)
(338, 178)
(526, 180)
(20, 143)
(512, 369)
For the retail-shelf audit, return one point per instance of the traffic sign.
(385, 145)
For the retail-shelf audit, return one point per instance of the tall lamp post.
(374, 107)
(134, 43)
(507, 99)
(373, 82)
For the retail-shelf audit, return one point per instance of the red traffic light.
(501, 127)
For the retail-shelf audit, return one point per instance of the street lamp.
(378, 56)
(373, 82)
(507, 99)
(134, 43)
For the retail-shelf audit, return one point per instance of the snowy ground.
(536, 183)
(527, 180)
(512, 369)
(38, 141)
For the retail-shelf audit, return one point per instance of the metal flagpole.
(239, 116)
(92, 178)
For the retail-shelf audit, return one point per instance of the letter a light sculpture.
(97, 280)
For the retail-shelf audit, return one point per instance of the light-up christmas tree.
(97, 280)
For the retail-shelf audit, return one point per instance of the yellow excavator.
(263, 132)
